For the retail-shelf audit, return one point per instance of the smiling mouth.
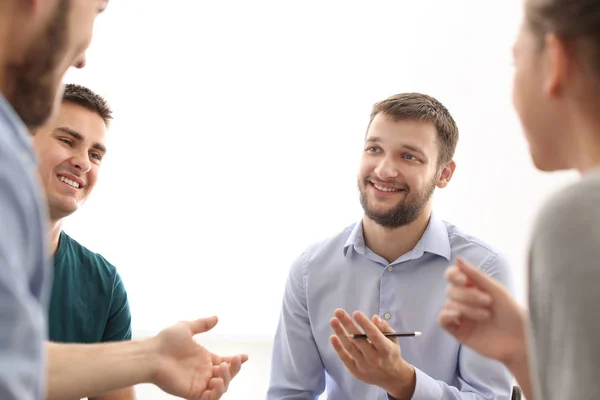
(69, 182)
(385, 188)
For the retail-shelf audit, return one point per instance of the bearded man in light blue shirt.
(388, 271)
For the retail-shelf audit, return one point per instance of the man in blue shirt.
(39, 40)
(36, 48)
(388, 270)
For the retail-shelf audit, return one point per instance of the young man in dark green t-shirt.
(88, 302)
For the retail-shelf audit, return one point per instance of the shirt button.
(387, 315)
(390, 268)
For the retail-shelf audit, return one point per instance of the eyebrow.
(78, 136)
(416, 149)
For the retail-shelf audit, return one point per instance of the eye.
(410, 157)
(373, 149)
(66, 141)
(96, 156)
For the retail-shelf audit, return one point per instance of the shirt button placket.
(387, 293)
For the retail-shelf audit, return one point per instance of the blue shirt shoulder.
(24, 272)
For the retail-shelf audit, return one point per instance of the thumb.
(203, 324)
(478, 277)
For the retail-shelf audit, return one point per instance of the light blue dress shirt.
(341, 272)
(24, 272)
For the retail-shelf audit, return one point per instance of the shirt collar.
(434, 240)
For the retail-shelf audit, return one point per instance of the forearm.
(121, 394)
(86, 370)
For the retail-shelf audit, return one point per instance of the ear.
(555, 65)
(446, 173)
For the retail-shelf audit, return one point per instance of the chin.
(59, 210)
(547, 163)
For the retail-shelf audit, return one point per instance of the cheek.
(522, 100)
(92, 178)
(82, 26)
(53, 157)
(517, 91)
(365, 167)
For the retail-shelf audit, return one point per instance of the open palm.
(188, 370)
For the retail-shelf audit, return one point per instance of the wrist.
(150, 351)
(518, 361)
(518, 355)
(404, 384)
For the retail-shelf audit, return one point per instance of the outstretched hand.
(375, 360)
(481, 314)
(188, 370)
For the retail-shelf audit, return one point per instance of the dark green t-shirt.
(89, 301)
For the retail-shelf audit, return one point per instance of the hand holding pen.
(376, 361)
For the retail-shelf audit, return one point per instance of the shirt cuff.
(426, 388)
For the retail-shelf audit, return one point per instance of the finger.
(378, 341)
(349, 344)
(216, 387)
(207, 395)
(216, 359)
(234, 366)
(455, 276)
(347, 322)
(243, 358)
(471, 312)
(202, 325)
(479, 278)
(225, 374)
(343, 354)
(382, 325)
(469, 295)
(448, 318)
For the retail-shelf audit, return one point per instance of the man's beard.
(406, 211)
(30, 84)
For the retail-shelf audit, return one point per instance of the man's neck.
(55, 229)
(391, 243)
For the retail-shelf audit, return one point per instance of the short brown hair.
(570, 20)
(87, 99)
(422, 107)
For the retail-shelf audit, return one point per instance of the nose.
(80, 61)
(386, 169)
(81, 162)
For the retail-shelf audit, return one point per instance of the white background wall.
(237, 133)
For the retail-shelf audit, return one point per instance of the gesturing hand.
(481, 314)
(186, 369)
(376, 360)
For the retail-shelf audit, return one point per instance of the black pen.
(389, 335)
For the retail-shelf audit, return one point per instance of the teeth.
(385, 189)
(69, 182)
